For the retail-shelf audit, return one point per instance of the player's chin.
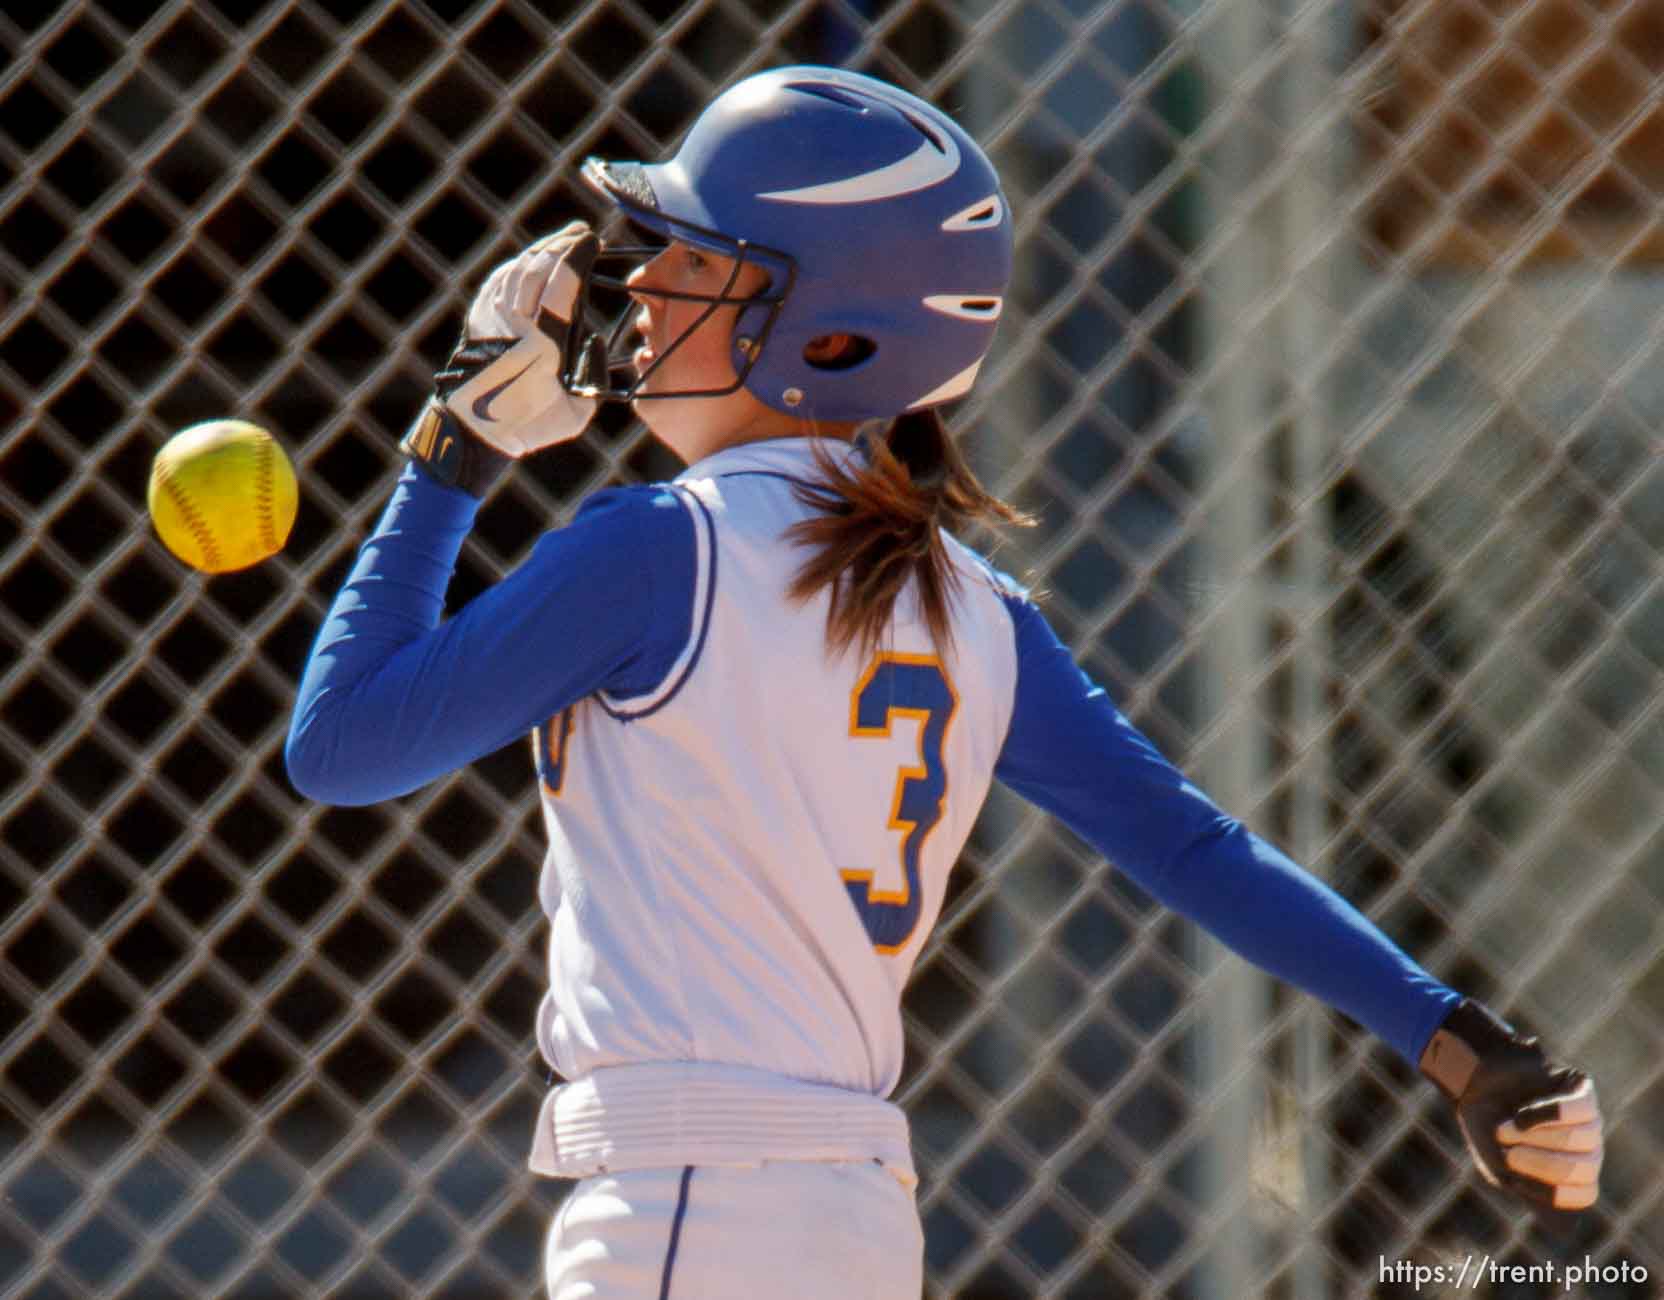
(646, 404)
(642, 377)
(642, 400)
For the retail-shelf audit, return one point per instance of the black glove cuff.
(1470, 1033)
(446, 452)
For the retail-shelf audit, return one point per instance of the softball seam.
(194, 523)
(264, 485)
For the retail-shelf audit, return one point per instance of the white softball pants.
(787, 1230)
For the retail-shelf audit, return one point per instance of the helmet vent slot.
(832, 94)
(984, 214)
(977, 307)
(928, 131)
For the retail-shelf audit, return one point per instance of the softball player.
(768, 698)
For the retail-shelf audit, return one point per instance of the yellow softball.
(222, 495)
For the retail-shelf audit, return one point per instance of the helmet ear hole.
(838, 351)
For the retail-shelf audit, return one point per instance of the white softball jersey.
(744, 863)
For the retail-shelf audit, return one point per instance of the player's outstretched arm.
(500, 395)
(1532, 1125)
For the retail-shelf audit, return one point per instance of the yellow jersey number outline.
(549, 750)
(907, 686)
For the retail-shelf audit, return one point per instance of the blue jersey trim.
(811, 484)
(395, 695)
(664, 696)
(675, 1234)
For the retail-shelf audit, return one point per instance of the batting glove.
(500, 395)
(1532, 1126)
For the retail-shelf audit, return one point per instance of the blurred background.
(1333, 369)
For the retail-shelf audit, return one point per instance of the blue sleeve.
(394, 695)
(1072, 753)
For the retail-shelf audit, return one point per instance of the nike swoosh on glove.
(516, 403)
(1533, 1126)
(500, 395)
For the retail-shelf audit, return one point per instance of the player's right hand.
(1533, 1126)
(500, 395)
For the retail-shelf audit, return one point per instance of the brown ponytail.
(880, 523)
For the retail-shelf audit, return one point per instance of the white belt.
(682, 1113)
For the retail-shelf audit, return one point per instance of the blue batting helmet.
(874, 214)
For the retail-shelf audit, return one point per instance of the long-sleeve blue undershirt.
(395, 695)
(1072, 753)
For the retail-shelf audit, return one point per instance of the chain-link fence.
(1333, 370)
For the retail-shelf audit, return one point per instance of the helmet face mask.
(598, 354)
(875, 216)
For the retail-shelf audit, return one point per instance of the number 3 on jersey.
(906, 686)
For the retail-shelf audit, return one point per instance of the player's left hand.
(516, 403)
(500, 395)
(1532, 1125)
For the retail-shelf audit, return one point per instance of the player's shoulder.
(984, 576)
(644, 504)
(619, 529)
